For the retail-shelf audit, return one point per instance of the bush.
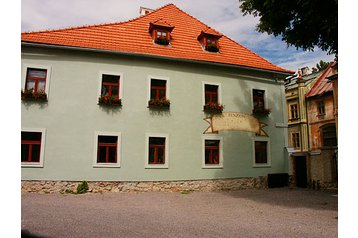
(82, 187)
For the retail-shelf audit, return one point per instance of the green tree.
(320, 66)
(301, 23)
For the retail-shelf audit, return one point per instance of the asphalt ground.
(275, 213)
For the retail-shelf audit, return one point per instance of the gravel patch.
(279, 212)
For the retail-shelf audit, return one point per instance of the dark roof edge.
(283, 74)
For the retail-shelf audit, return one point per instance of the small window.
(107, 146)
(158, 89)
(162, 37)
(107, 149)
(211, 94)
(212, 152)
(32, 148)
(260, 152)
(294, 111)
(211, 45)
(157, 151)
(258, 99)
(329, 135)
(321, 108)
(296, 140)
(110, 85)
(36, 80)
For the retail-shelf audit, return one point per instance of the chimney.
(143, 11)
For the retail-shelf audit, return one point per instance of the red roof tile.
(322, 85)
(133, 37)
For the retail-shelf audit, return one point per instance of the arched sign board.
(234, 121)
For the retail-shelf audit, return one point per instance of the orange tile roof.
(133, 37)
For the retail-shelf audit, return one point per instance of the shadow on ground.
(294, 198)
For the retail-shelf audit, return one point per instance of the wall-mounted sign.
(234, 121)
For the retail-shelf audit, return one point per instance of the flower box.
(259, 111)
(213, 108)
(30, 95)
(159, 103)
(162, 41)
(109, 101)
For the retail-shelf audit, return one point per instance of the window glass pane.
(207, 156)
(41, 86)
(153, 94)
(32, 136)
(157, 141)
(36, 73)
(35, 156)
(30, 84)
(115, 91)
(105, 90)
(215, 156)
(162, 94)
(160, 155)
(110, 78)
(112, 156)
(212, 143)
(151, 155)
(107, 139)
(24, 152)
(158, 82)
(101, 154)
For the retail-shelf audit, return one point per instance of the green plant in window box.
(260, 111)
(159, 103)
(111, 101)
(213, 108)
(30, 95)
(162, 41)
(212, 48)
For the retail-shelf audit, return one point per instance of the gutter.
(283, 74)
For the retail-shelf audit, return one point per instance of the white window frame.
(39, 164)
(221, 152)
(114, 73)
(259, 165)
(167, 89)
(119, 150)
(156, 166)
(219, 91)
(289, 110)
(35, 66)
(265, 97)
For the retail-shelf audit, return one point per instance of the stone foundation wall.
(166, 186)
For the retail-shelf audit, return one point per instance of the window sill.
(261, 166)
(31, 165)
(156, 166)
(212, 167)
(106, 166)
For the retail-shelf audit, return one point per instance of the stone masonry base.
(166, 186)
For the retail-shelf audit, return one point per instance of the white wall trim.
(221, 152)
(42, 150)
(156, 166)
(119, 150)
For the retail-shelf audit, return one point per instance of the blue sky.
(224, 16)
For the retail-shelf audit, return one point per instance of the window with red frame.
(260, 152)
(30, 146)
(258, 98)
(211, 94)
(212, 148)
(107, 149)
(110, 85)
(36, 80)
(156, 150)
(158, 89)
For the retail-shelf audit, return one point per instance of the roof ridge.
(96, 25)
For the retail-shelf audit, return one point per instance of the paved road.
(246, 213)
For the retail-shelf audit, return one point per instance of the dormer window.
(161, 32)
(209, 40)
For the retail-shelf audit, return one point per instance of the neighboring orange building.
(321, 111)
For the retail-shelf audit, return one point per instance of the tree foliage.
(320, 66)
(301, 23)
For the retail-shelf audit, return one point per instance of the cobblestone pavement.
(246, 213)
